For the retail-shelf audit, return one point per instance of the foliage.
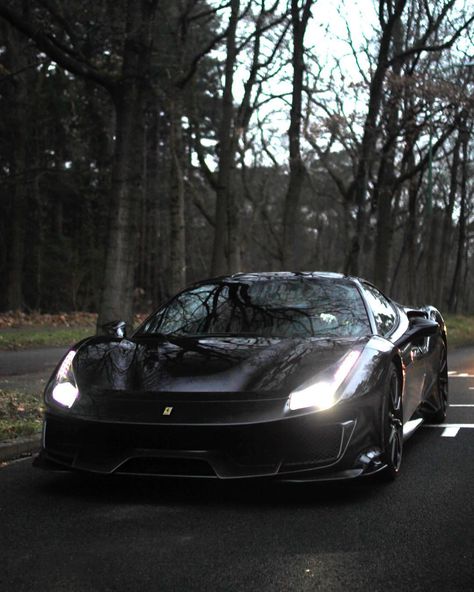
(213, 167)
(18, 319)
(20, 414)
(21, 331)
(460, 330)
(30, 338)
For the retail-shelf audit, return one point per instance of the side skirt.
(410, 427)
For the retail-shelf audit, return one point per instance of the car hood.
(226, 365)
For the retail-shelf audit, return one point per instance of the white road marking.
(450, 432)
(462, 375)
(463, 405)
(448, 425)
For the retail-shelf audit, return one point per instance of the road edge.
(10, 449)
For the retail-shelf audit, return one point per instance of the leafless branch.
(51, 46)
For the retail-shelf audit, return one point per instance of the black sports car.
(296, 376)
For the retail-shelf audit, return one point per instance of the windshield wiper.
(220, 334)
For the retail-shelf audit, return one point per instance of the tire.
(435, 408)
(392, 427)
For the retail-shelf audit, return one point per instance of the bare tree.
(234, 121)
(453, 301)
(226, 140)
(19, 59)
(300, 14)
(390, 12)
(128, 90)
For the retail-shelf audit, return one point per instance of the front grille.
(311, 448)
(167, 466)
(245, 444)
(290, 444)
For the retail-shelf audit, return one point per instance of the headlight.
(63, 389)
(323, 394)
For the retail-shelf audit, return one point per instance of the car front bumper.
(316, 446)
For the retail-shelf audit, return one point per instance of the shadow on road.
(122, 489)
(187, 492)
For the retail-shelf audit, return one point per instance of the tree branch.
(431, 48)
(182, 82)
(66, 59)
(200, 205)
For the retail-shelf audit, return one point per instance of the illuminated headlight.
(65, 393)
(323, 395)
(64, 389)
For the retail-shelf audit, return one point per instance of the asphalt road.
(61, 532)
(31, 361)
(28, 370)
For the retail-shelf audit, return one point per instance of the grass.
(20, 330)
(20, 414)
(460, 333)
(460, 330)
(31, 337)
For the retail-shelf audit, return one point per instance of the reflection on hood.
(233, 364)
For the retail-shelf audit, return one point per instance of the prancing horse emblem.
(167, 410)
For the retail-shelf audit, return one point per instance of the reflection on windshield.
(268, 308)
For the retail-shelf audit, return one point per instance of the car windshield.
(268, 308)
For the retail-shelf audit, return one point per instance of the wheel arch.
(397, 362)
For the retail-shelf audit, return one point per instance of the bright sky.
(326, 37)
(333, 24)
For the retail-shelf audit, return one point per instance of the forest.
(148, 144)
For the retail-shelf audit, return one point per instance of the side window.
(385, 315)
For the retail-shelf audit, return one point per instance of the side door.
(387, 319)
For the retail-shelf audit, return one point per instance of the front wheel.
(393, 427)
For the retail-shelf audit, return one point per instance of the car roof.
(280, 275)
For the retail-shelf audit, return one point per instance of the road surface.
(61, 532)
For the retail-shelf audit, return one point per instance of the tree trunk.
(384, 229)
(117, 295)
(14, 293)
(233, 224)
(153, 254)
(127, 174)
(359, 188)
(224, 200)
(455, 286)
(386, 187)
(177, 220)
(411, 237)
(447, 223)
(297, 169)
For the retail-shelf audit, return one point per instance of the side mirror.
(415, 313)
(419, 328)
(115, 329)
(423, 327)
